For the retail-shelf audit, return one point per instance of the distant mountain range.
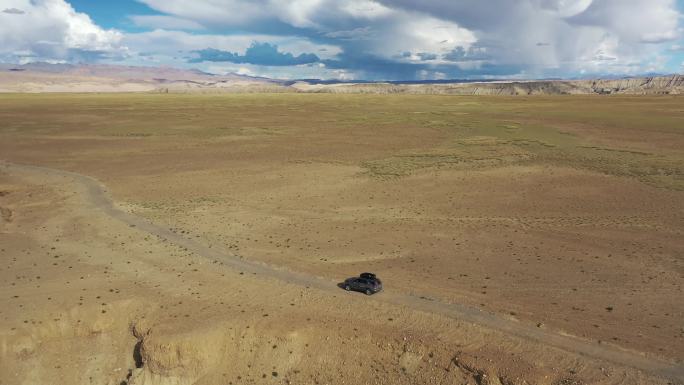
(45, 77)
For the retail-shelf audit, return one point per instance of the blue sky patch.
(355, 39)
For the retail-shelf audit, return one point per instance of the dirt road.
(96, 197)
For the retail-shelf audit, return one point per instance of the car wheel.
(347, 287)
(368, 292)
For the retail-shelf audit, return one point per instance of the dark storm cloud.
(258, 53)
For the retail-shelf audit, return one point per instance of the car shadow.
(341, 286)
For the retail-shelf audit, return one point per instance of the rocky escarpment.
(227, 351)
(641, 86)
(662, 85)
(91, 344)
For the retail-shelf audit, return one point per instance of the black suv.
(367, 283)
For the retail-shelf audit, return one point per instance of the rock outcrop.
(662, 85)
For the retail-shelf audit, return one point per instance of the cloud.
(181, 44)
(633, 21)
(459, 54)
(213, 12)
(361, 33)
(180, 49)
(539, 37)
(318, 14)
(52, 30)
(426, 56)
(565, 8)
(165, 22)
(371, 39)
(13, 11)
(258, 53)
(578, 35)
(357, 25)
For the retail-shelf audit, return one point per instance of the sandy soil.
(92, 295)
(559, 247)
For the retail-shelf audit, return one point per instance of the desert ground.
(199, 239)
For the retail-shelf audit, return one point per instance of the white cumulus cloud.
(52, 30)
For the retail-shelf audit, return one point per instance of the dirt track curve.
(96, 197)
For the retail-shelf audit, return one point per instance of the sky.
(354, 39)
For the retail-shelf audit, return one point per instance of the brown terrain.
(193, 239)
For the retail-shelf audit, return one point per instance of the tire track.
(97, 197)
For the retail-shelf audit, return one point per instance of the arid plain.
(521, 240)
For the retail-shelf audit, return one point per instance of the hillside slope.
(662, 85)
(45, 78)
